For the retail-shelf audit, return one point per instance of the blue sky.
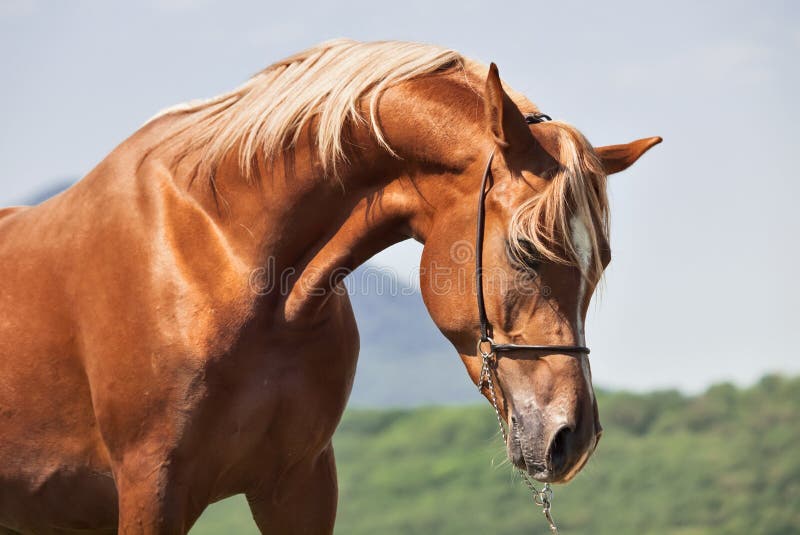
(703, 285)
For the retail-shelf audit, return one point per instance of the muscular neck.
(378, 218)
(320, 228)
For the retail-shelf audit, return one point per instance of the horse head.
(543, 219)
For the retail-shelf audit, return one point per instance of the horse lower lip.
(533, 468)
(537, 470)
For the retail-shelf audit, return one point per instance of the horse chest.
(279, 389)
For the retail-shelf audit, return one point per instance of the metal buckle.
(481, 345)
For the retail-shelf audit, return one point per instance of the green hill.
(726, 461)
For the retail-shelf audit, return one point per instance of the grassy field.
(727, 461)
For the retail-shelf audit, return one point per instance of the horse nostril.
(559, 449)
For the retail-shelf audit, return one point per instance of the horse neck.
(315, 229)
(336, 227)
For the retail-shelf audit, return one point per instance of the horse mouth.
(522, 458)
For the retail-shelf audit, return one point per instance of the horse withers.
(143, 374)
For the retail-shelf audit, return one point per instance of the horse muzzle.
(551, 450)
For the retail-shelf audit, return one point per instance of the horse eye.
(528, 258)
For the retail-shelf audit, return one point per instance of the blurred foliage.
(726, 461)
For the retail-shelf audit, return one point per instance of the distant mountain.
(404, 360)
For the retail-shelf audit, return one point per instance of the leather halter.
(486, 327)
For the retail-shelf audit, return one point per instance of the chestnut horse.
(143, 373)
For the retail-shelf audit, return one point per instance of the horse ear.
(493, 106)
(617, 158)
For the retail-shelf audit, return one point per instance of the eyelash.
(531, 264)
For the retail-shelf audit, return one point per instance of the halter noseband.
(486, 328)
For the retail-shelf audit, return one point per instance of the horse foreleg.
(304, 501)
(149, 503)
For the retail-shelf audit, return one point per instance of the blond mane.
(324, 83)
(577, 189)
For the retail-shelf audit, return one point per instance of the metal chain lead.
(544, 497)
